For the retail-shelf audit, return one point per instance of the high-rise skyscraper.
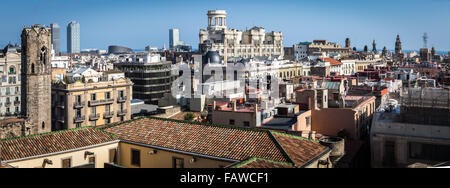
(174, 38)
(73, 37)
(55, 37)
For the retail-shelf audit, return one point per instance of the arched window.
(43, 55)
(32, 68)
(43, 125)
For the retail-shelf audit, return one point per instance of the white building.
(301, 51)
(234, 43)
(348, 67)
(60, 62)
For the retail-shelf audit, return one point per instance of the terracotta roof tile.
(217, 141)
(331, 60)
(34, 145)
(220, 141)
(262, 163)
(299, 150)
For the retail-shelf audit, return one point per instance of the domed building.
(211, 57)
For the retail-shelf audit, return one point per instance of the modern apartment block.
(56, 37)
(151, 75)
(91, 104)
(10, 85)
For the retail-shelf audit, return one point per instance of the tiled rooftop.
(226, 142)
(261, 163)
(18, 148)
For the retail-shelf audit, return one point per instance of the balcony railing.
(8, 103)
(122, 112)
(94, 117)
(107, 115)
(121, 99)
(16, 103)
(60, 105)
(79, 119)
(101, 102)
(78, 105)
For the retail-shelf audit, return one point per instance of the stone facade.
(12, 128)
(10, 83)
(36, 78)
(234, 43)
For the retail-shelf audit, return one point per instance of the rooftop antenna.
(425, 40)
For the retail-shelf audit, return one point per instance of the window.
(135, 157)
(389, 154)
(107, 95)
(308, 121)
(93, 111)
(93, 97)
(92, 160)
(113, 156)
(232, 121)
(430, 152)
(67, 163)
(246, 124)
(177, 162)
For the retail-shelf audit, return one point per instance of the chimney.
(233, 105)
(256, 107)
(214, 106)
(341, 101)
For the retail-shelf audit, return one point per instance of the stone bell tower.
(36, 79)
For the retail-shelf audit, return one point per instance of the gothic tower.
(348, 43)
(384, 53)
(398, 45)
(36, 78)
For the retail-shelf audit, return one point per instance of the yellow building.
(164, 143)
(90, 104)
(290, 70)
(88, 148)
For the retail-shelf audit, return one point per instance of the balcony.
(8, 103)
(122, 112)
(61, 120)
(101, 102)
(79, 105)
(16, 103)
(79, 119)
(121, 99)
(60, 105)
(107, 115)
(94, 117)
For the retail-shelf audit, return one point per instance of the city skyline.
(138, 23)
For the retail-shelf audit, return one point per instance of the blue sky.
(138, 23)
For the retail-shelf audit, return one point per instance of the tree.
(189, 116)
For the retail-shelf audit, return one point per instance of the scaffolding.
(430, 106)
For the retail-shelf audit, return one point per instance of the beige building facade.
(91, 104)
(234, 43)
